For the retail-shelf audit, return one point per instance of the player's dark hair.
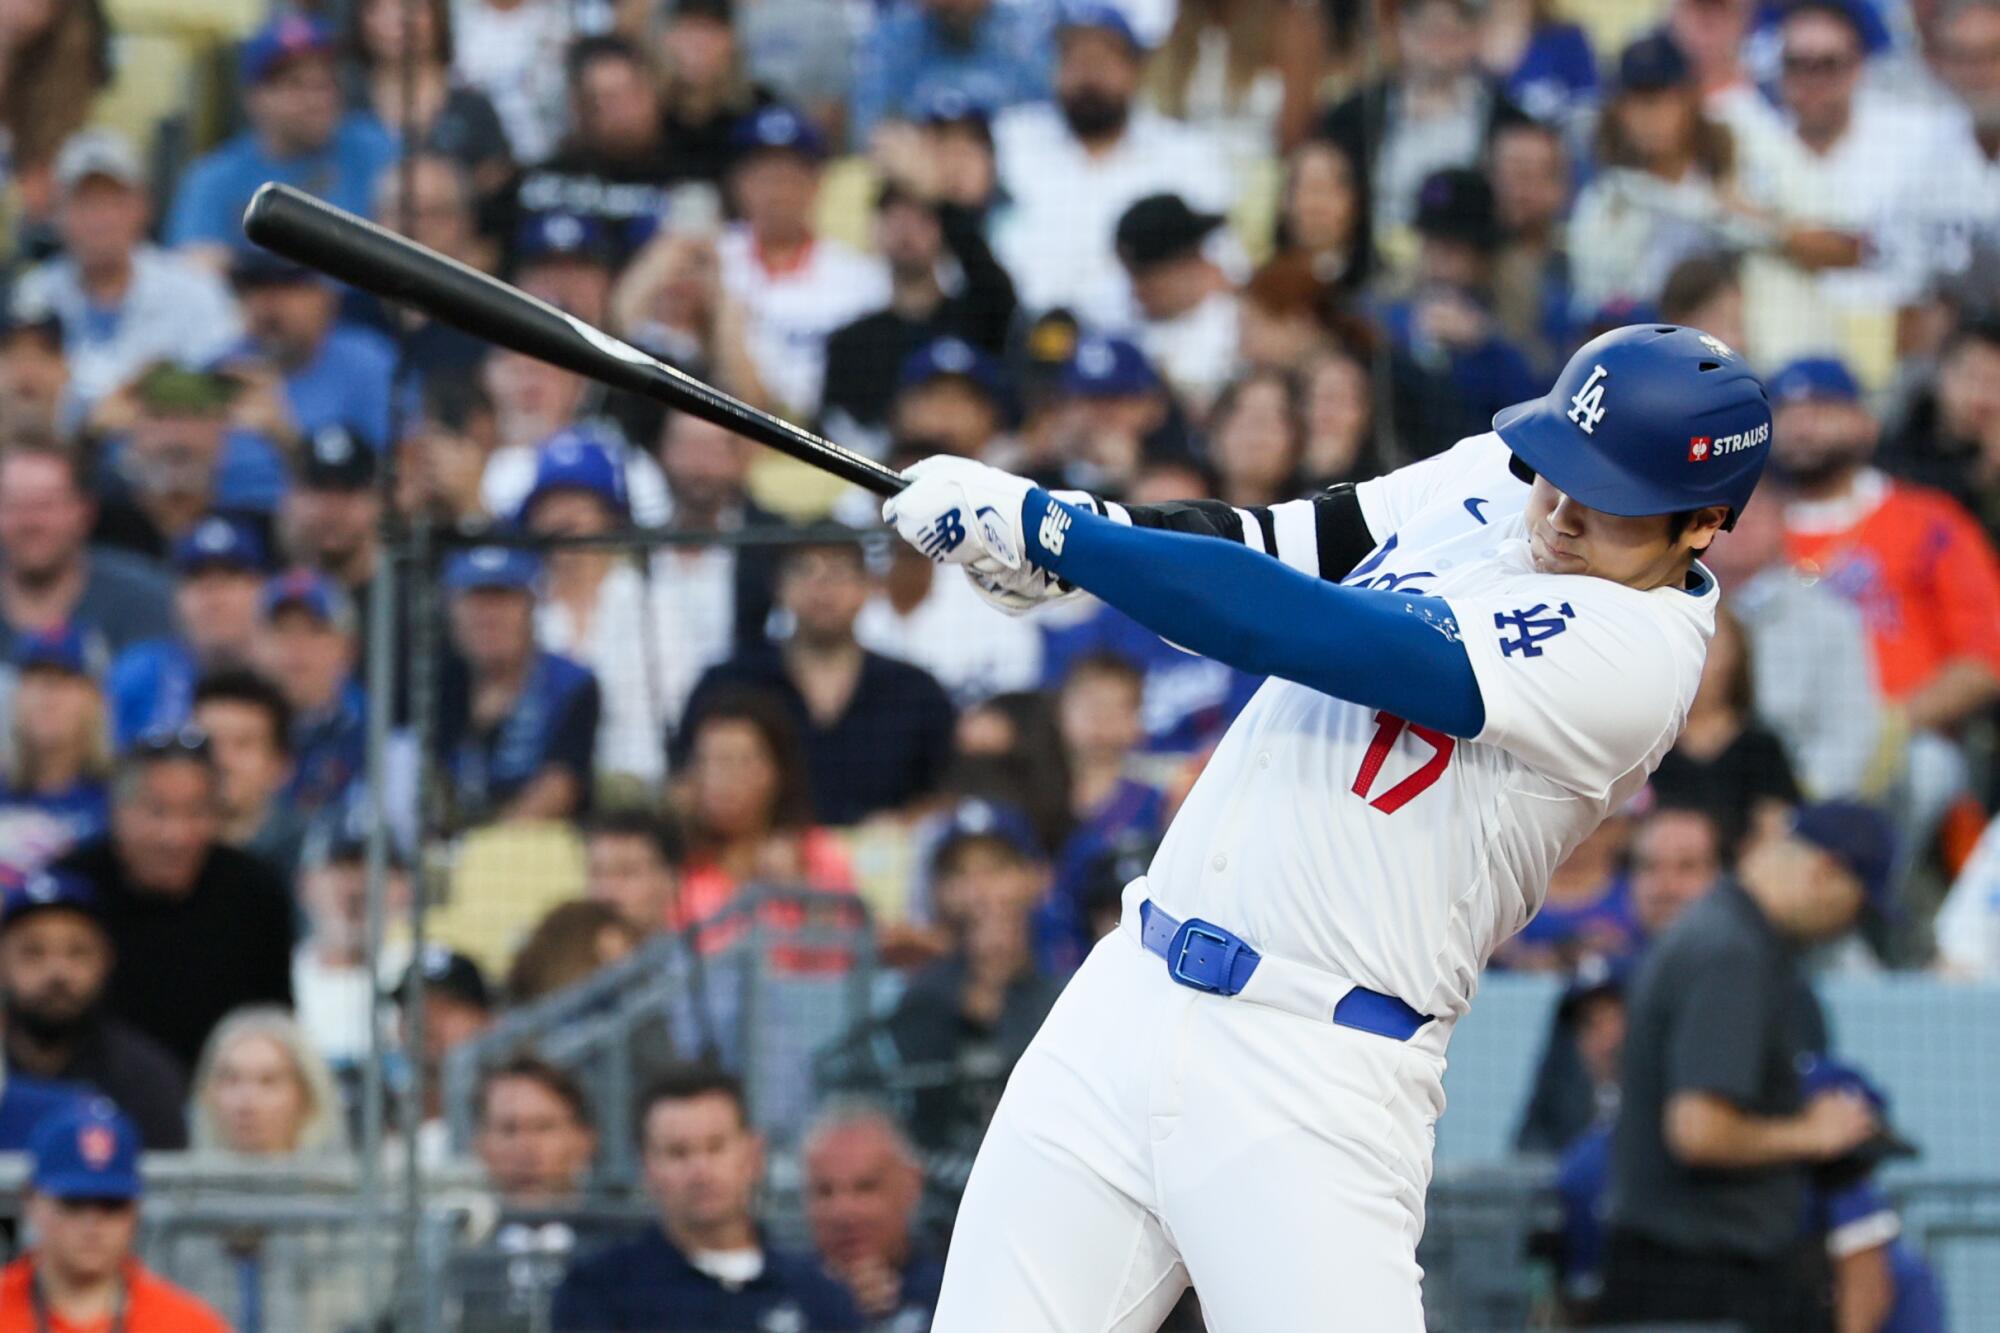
(240, 685)
(557, 1081)
(686, 1082)
(657, 830)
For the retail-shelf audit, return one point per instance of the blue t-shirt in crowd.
(554, 724)
(148, 687)
(208, 207)
(1605, 926)
(646, 1284)
(36, 829)
(1188, 702)
(348, 383)
(329, 752)
(1486, 376)
(1919, 1305)
(25, 1102)
(907, 61)
(1132, 810)
(1557, 73)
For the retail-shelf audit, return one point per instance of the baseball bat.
(339, 244)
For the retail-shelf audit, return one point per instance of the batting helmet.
(1647, 419)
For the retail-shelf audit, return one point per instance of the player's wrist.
(1045, 527)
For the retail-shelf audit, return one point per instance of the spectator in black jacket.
(198, 927)
(55, 960)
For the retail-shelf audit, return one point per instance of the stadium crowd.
(1158, 251)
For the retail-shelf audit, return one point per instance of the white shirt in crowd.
(974, 650)
(1197, 352)
(173, 311)
(1057, 238)
(791, 313)
(1968, 924)
(514, 54)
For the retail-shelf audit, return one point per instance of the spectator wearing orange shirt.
(1916, 564)
(83, 1204)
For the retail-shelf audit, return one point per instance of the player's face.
(702, 1162)
(859, 1195)
(52, 969)
(1565, 537)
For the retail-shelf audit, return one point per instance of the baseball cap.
(1161, 227)
(88, 1152)
(179, 390)
(48, 890)
(36, 317)
(1082, 14)
(977, 820)
(447, 972)
(492, 567)
(337, 459)
(1820, 1074)
(716, 11)
(284, 39)
(59, 649)
(952, 106)
(942, 358)
(1858, 836)
(252, 267)
(562, 236)
(1108, 368)
(219, 543)
(1651, 64)
(576, 460)
(777, 129)
(320, 596)
(104, 153)
(1594, 975)
(1456, 204)
(1814, 379)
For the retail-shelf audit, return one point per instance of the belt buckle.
(1191, 931)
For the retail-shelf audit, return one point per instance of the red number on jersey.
(1388, 727)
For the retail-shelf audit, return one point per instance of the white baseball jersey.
(1395, 856)
(791, 312)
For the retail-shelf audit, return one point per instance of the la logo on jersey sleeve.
(1523, 631)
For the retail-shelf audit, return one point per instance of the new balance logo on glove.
(943, 536)
(1055, 523)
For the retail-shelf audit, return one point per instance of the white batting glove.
(1018, 591)
(958, 512)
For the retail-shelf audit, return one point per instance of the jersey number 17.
(1389, 727)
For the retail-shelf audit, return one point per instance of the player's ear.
(1703, 525)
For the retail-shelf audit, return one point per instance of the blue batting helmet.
(1647, 419)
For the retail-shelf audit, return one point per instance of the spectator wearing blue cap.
(1717, 1137)
(795, 287)
(298, 134)
(518, 725)
(995, 53)
(921, 236)
(1071, 167)
(83, 1208)
(197, 927)
(123, 302)
(307, 367)
(1114, 413)
(566, 260)
(307, 644)
(55, 966)
(951, 398)
(954, 145)
(53, 794)
(219, 569)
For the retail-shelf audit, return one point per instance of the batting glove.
(958, 512)
(1018, 591)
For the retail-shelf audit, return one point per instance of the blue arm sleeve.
(1246, 610)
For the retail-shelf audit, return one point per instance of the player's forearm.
(1704, 1130)
(1219, 599)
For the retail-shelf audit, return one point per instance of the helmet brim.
(1547, 441)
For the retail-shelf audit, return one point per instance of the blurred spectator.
(403, 53)
(1256, 439)
(1726, 760)
(1677, 857)
(1951, 437)
(614, 167)
(994, 54)
(951, 398)
(1966, 182)
(332, 511)
(1435, 111)
(1099, 711)
(706, 1265)
(1072, 167)
(52, 792)
(714, 598)
(1341, 430)
(1705, 291)
(1810, 674)
(34, 375)
(1324, 215)
(512, 51)
(338, 988)
(445, 452)
(249, 727)
(518, 725)
(1247, 71)
(1660, 193)
(1586, 909)
(1447, 327)
(298, 134)
(566, 261)
(319, 370)
(123, 302)
(1713, 35)
(1280, 314)
(438, 209)
(534, 1134)
(706, 89)
(169, 472)
(877, 732)
(1544, 64)
(55, 961)
(974, 1011)
(918, 235)
(198, 927)
(568, 945)
(785, 44)
(796, 287)
(305, 643)
(1528, 164)
(1967, 928)
(55, 61)
(82, 1207)
(1185, 304)
(749, 809)
(262, 1090)
(1576, 1080)
(862, 1187)
(1716, 1136)
(219, 569)
(633, 862)
(532, 400)
(50, 578)
(1113, 414)
(954, 150)
(457, 1007)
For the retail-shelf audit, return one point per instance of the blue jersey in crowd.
(1557, 74)
(647, 1284)
(1919, 1305)
(25, 1102)
(908, 60)
(1188, 702)
(148, 687)
(208, 208)
(554, 724)
(35, 829)
(1605, 926)
(348, 383)
(1132, 810)
(329, 752)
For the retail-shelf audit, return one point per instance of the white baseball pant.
(1153, 1136)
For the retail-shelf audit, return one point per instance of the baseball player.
(1471, 661)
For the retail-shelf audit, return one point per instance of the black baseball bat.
(356, 251)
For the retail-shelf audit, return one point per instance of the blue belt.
(1208, 958)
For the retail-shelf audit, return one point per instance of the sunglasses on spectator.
(169, 743)
(1817, 66)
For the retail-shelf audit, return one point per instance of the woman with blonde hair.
(261, 1089)
(54, 793)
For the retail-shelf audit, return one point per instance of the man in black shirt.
(1715, 1140)
(198, 927)
(54, 962)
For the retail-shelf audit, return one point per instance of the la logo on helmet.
(1586, 405)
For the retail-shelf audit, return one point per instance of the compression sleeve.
(1222, 600)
